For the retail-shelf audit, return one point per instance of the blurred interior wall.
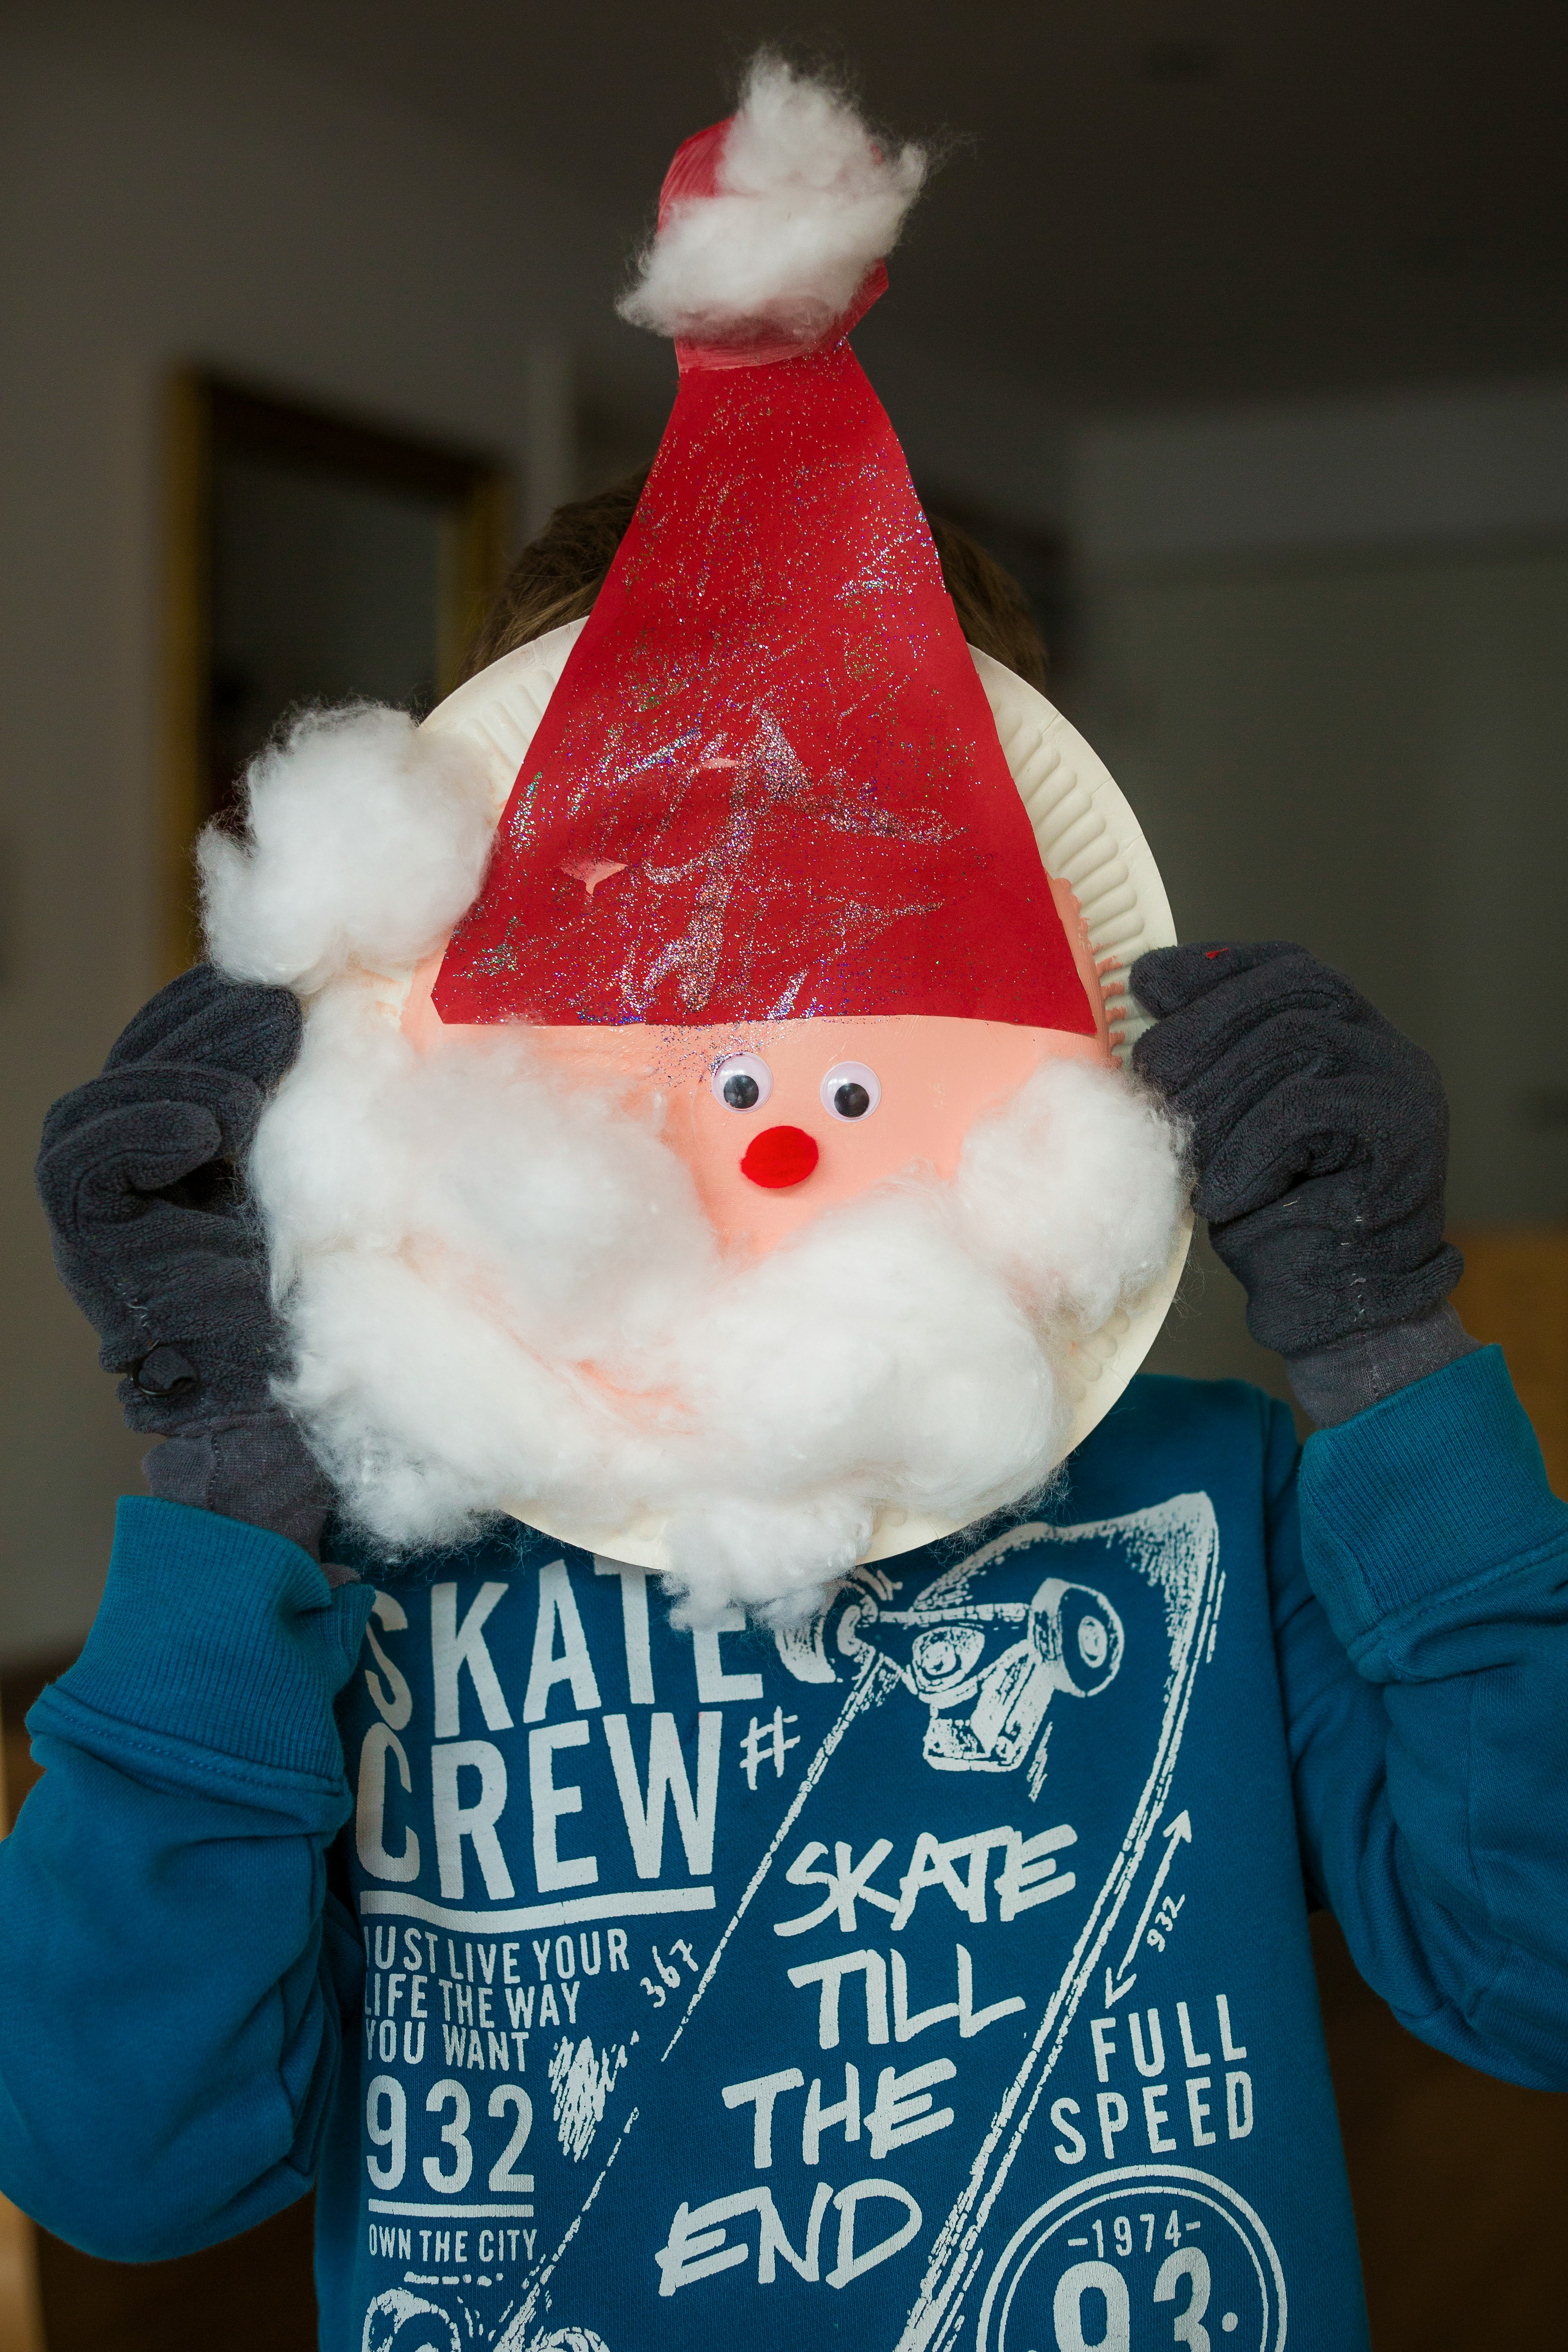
(168, 196)
(1321, 645)
(1436, 469)
(171, 195)
(1368, 753)
(1322, 651)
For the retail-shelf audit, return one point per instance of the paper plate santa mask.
(707, 1143)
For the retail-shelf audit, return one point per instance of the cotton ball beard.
(462, 1251)
(502, 1295)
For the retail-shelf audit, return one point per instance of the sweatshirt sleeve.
(1420, 1567)
(173, 1970)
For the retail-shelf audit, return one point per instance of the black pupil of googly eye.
(851, 1100)
(742, 1091)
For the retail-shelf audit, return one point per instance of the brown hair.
(559, 575)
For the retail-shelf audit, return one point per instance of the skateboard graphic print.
(873, 1874)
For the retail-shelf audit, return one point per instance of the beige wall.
(1369, 753)
(1323, 649)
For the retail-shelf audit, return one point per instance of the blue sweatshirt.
(935, 1977)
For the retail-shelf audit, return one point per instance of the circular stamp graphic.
(400, 2322)
(1148, 2255)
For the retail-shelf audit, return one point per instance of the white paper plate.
(1088, 837)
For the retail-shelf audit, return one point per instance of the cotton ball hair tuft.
(1075, 1188)
(806, 203)
(366, 839)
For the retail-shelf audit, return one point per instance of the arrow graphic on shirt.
(1121, 1981)
(1179, 1540)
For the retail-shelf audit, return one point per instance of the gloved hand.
(140, 1172)
(1320, 1136)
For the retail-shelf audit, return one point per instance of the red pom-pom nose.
(780, 1156)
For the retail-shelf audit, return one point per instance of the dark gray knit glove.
(140, 1175)
(1320, 1138)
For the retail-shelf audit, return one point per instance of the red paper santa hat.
(768, 785)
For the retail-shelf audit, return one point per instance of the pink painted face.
(778, 1120)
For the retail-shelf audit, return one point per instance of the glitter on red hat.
(779, 1157)
(771, 735)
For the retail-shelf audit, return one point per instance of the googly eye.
(851, 1090)
(742, 1082)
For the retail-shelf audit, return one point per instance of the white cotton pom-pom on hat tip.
(773, 225)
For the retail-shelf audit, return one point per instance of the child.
(932, 1956)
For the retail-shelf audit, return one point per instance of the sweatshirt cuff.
(221, 1637)
(1434, 1490)
(1333, 1383)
